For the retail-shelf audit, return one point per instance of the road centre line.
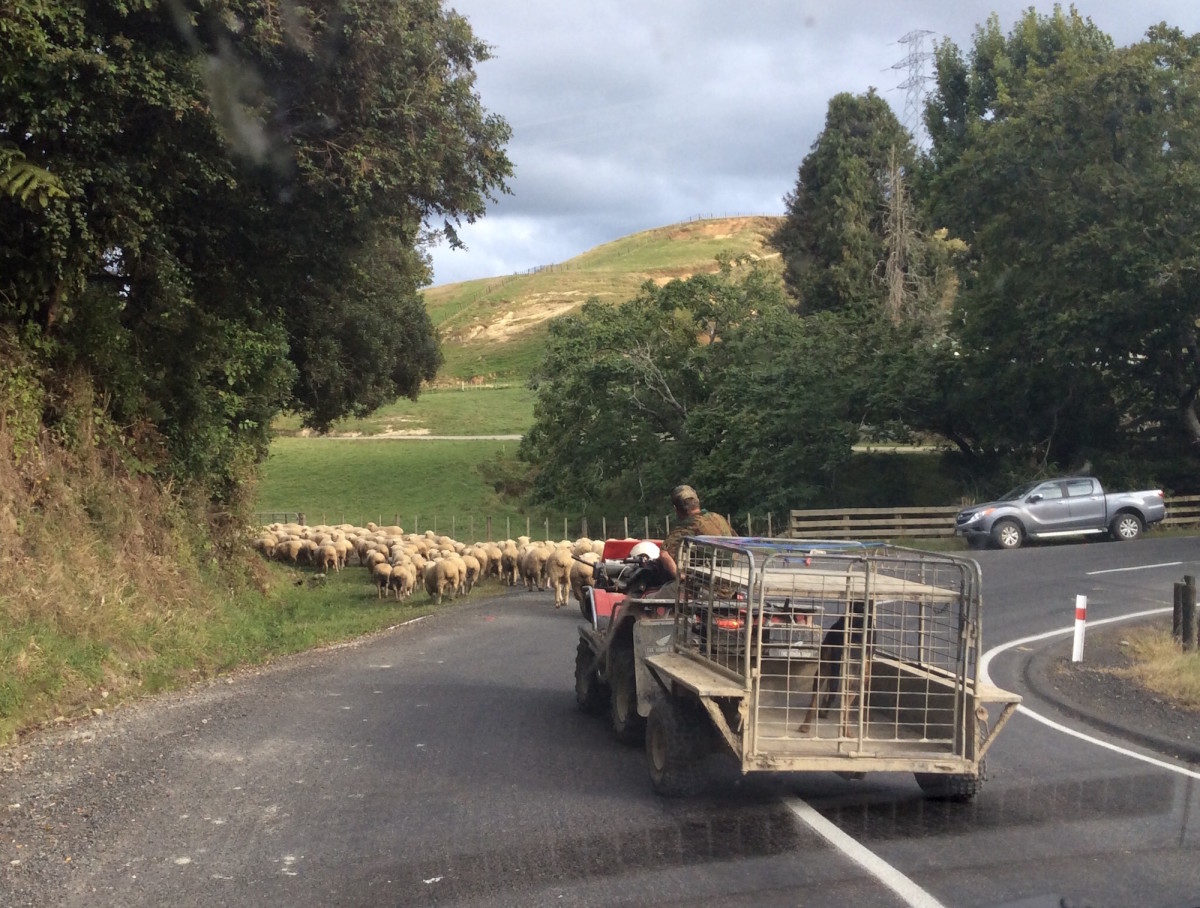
(1050, 723)
(912, 894)
(1140, 567)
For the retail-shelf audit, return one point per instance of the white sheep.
(381, 573)
(582, 574)
(558, 573)
(440, 577)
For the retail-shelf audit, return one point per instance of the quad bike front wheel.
(591, 694)
(628, 726)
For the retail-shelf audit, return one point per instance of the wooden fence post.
(1177, 614)
(1188, 624)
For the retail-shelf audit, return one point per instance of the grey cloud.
(629, 116)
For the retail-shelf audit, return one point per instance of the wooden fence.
(830, 523)
(893, 523)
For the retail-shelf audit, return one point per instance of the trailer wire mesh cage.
(844, 649)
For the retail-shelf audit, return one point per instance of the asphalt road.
(445, 763)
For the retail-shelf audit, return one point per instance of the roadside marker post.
(1080, 626)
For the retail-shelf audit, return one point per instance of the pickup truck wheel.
(628, 726)
(1007, 534)
(591, 694)
(677, 744)
(1125, 527)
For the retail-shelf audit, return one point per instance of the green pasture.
(467, 410)
(414, 481)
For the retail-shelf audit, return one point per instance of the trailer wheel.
(677, 743)
(942, 787)
(590, 692)
(627, 724)
(1125, 527)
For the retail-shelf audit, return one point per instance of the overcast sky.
(634, 114)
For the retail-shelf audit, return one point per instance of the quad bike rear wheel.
(678, 742)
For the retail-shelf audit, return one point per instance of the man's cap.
(681, 495)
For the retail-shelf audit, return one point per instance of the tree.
(247, 190)
(713, 380)
(832, 238)
(1077, 324)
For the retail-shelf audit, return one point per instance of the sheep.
(403, 579)
(440, 577)
(533, 567)
(472, 572)
(480, 554)
(494, 556)
(510, 567)
(326, 558)
(344, 547)
(382, 575)
(582, 574)
(558, 571)
(265, 544)
(289, 550)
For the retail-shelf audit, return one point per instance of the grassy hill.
(492, 332)
(492, 328)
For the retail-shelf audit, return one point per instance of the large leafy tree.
(1077, 324)
(246, 192)
(993, 82)
(714, 379)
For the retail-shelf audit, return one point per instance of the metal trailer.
(806, 656)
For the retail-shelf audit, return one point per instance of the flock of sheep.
(399, 562)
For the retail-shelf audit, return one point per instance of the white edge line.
(912, 894)
(1140, 567)
(1050, 723)
(1153, 761)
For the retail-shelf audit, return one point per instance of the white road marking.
(1050, 723)
(1140, 567)
(912, 894)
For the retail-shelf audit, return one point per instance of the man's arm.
(670, 547)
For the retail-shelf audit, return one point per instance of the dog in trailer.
(844, 656)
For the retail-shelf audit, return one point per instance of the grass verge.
(1161, 666)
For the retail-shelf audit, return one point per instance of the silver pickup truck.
(1070, 506)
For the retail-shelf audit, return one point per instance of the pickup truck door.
(1089, 510)
(1047, 509)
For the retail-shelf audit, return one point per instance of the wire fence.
(843, 523)
(484, 527)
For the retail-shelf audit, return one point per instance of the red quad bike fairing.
(616, 576)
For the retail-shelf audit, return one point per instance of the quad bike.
(619, 606)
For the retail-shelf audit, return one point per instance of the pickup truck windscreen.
(1020, 491)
